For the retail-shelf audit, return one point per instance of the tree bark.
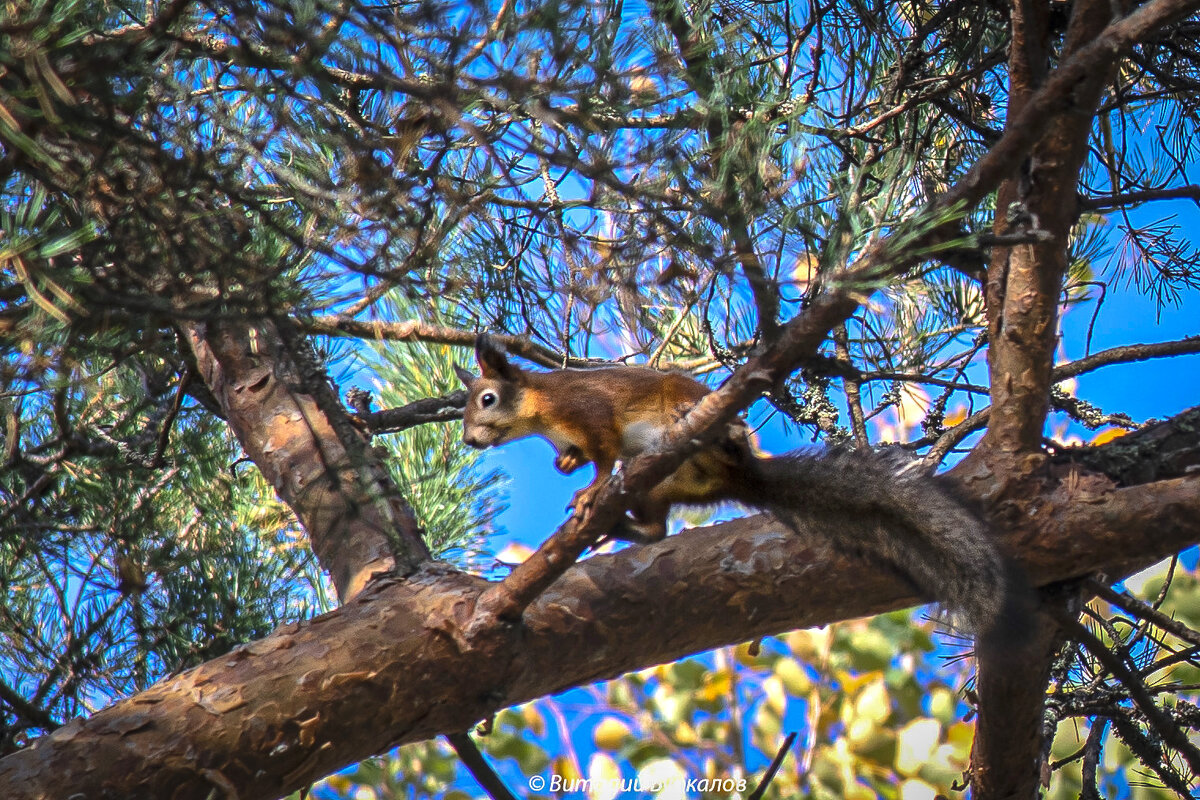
(394, 664)
(306, 448)
(1023, 286)
(1025, 281)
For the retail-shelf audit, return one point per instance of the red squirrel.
(610, 415)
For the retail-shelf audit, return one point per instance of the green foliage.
(873, 722)
(640, 182)
(130, 545)
(437, 473)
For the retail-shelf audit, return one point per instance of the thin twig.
(1091, 758)
(473, 760)
(776, 763)
(430, 409)
(1144, 611)
(1162, 724)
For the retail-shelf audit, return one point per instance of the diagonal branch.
(1058, 92)
(802, 336)
(299, 704)
(799, 339)
(357, 523)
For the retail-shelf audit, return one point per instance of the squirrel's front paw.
(569, 460)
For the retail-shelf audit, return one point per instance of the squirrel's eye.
(487, 399)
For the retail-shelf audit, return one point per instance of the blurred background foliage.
(879, 706)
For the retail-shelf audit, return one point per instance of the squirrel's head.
(492, 416)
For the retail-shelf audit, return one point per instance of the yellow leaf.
(874, 703)
(776, 697)
(611, 734)
(685, 734)
(961, 735)
(604, 777)
(943, 704)
(956, 415)
(742, 655)
(861, 734)
(852, 683)
(808, 645)
(566, 768)
(533, 719)
(339, 783)
(915, 745)
(716, 685)
(793, 676)
(1105, 436)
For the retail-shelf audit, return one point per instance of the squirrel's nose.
(470, 440)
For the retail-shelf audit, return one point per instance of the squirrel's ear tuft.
(464, 375)
(493, 361)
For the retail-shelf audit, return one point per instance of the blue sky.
(537, 494)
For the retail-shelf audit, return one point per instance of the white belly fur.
(641, 437)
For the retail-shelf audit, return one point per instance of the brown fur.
(602, 416)
(613, 414)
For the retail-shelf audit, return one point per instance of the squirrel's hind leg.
(645, 523)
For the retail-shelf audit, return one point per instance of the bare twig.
(776, 763)
(419, 412)
(1125, 354)
(1144, 611)
(473, 760)
(1091, 758)
(1190, 192)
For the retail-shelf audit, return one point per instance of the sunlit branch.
(1102, 202)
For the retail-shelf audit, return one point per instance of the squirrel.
(609, 415)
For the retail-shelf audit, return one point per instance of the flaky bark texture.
(394, 664)
(1022, 290)
(355, 520)
(1024, 281)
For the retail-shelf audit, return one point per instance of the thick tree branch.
(1059, 91)
(356, 523)
(1169, 449)
(279, 713)
(1025, 281)
(1005, 755)
(1022, 290)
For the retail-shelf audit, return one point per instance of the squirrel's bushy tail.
(910, 520)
